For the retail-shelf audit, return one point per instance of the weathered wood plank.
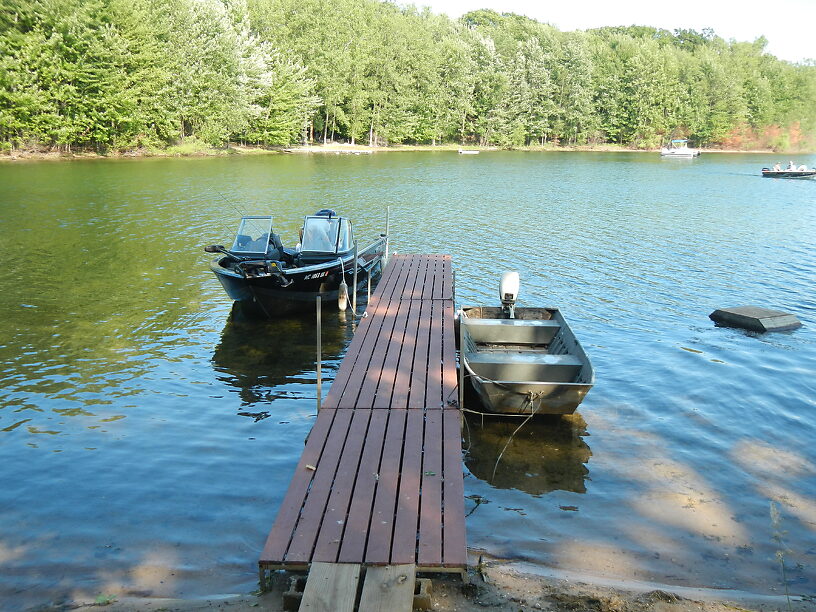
(278, 540)
(362, 354)
(450, 380)
(370, 379)
(433, 392)
(403, 549)
(352, 548)
(405, 367)
(417, 398)
(430, 515)
(331, 587)
(336, 515)
(395, 345)
(389, 588)
(393, 279)
(378, 550)
(448, 279)
(454, 546)
(308, 525)
(356, 357)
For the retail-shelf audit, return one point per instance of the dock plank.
(433, 391)
(450, 380)
(355, 536)
(430, 516)
(405, 366)
(403, 549)
(395, 346)
(278, 540)
(331, 587)
(380, 478)
(388, 588)
(336, 514)
(454, 545)
(419, 369)
(308, 525)
(378, 550)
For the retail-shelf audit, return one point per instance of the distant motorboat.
(679, 148)
(789, 173)
(468, 152)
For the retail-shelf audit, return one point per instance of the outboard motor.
(508, 292)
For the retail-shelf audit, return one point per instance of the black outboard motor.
(325, 212)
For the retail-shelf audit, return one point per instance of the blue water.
(147, 433)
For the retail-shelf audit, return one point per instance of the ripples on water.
(147, 432)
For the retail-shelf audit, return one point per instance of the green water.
(147, 433)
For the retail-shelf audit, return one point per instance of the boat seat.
(512, 331)
(518, 367)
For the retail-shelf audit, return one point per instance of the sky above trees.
(788, 25)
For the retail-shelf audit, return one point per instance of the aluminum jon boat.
(523, 360)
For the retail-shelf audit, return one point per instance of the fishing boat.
(468, 152)
(679, 148)
(789, 173)
(260, 272)
(523, 360)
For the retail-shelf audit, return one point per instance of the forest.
(119, 75)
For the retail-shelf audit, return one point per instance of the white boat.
(468, 152)
(679, 148)
(523, 360)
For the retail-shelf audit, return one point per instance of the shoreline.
(503, 586)
(344, 149)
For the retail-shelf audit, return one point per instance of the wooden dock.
(379, 485)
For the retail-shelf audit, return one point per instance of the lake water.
(147, 434)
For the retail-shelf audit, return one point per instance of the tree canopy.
(118, 74)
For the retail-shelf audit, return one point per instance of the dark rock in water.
(754, 318)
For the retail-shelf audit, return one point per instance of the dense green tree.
(104, 74)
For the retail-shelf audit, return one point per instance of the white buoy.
(342, 295)
(342, 290)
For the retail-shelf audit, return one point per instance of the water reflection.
(267, 359)
(547, 454)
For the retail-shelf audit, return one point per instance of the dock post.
(319, 355)
(387, 233)
(461, 364)
(354, 294)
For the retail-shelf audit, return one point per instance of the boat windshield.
(326, 235)
(253, 235)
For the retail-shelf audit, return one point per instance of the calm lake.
(147, 433)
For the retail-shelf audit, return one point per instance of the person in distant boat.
(791, 166)
(802, 168)
(777, 167)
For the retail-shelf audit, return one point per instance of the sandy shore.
(505, 587)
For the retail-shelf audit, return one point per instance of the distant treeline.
(119, 74)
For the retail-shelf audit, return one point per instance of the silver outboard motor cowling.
(508, 292)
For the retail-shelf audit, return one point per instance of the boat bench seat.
(545, 367)
(512, 331)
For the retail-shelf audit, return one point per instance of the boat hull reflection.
(547, 454)
(269, 359)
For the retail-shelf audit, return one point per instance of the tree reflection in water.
(269, 359)
(547, 454)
